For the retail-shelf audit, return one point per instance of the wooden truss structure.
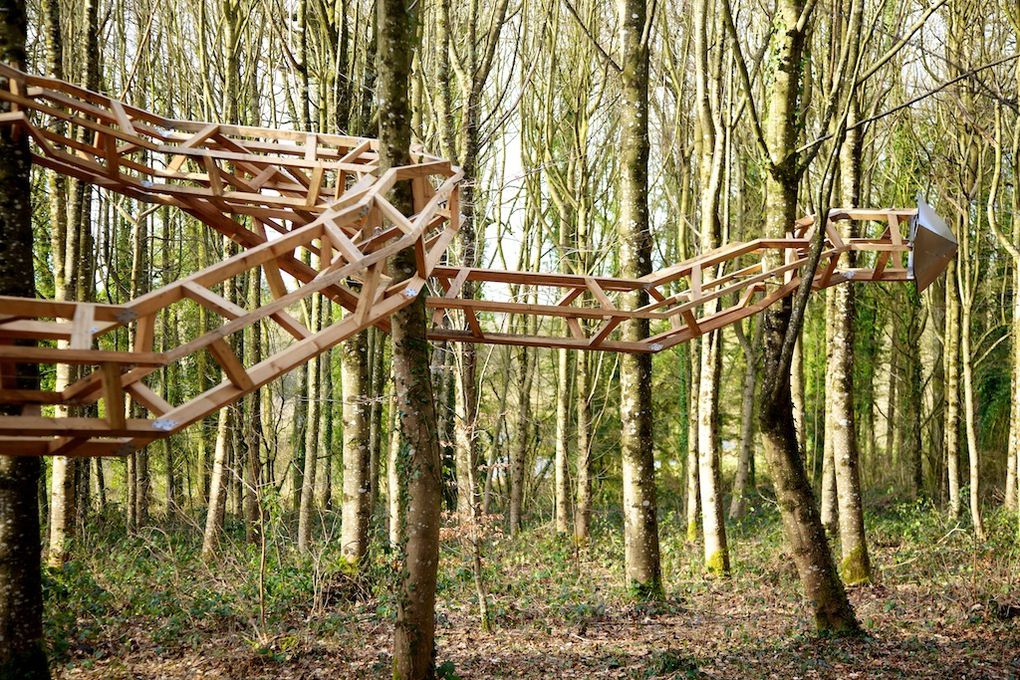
(286, 196)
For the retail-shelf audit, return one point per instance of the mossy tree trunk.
(712, 148)
(802, 525)
(418, 463)
(640, 507)
(745, 462)
(841, 427)
(356, 506)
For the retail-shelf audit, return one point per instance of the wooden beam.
(230, 364)
(113, 395)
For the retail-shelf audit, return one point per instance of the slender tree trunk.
(562, 483)
(855, 566)
(252, 476)
(693, 494)
(218, 484)
(797, 392)
(970, 416)
(951, 351)
(356, 508)
(712, 152)
(309, 476)
(376, 415)
(396, 519)
(829, 511)
(1013, 454)
(519, 452)
(582, 504)
(738, 503)
(717, 558)
(640, 508)
(62, 488)
(911, 395)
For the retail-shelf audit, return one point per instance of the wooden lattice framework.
(281, 194)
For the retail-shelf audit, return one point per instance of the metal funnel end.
(934, 245)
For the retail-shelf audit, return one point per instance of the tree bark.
(356, 508)
(640, 508)
(582, 503)
(62, 487)
(951, 353)
(306, 509)
(802, 525)
(1013, 454)
(970, 417)
(418, 462)
(738, 502)
(22, 651)
(562, 482)
(693, 490)
(519, 452)
(841, 428)
(711, 145)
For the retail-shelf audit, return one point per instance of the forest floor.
(148, 607)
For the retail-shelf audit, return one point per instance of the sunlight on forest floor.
(147, 607)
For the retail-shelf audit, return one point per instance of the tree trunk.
(306, 509)
(712, 152)
(62, 488)
(693, 494)
(418, 461)
(252, 475)
(396, 519)
(218, 483)
(582, 504)
(717, 558)
(841, 428)
(951, 350)
(855, 565)
(519, 452)
(1013, 455)
(356, 508)
(562, 483)
(738, 503)
(802, 525)
(829, 510)
(640, 508)
(22, 650)
(911, 394)
(375, 445)
(970, 416)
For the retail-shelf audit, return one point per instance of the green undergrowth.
(153, 591)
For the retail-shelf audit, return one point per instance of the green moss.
(645, 592)
(855, 568)
(692, 531)
(718, 563)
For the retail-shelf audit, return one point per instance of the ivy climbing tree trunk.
(418, 463)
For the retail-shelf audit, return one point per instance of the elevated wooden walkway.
(284, 195)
